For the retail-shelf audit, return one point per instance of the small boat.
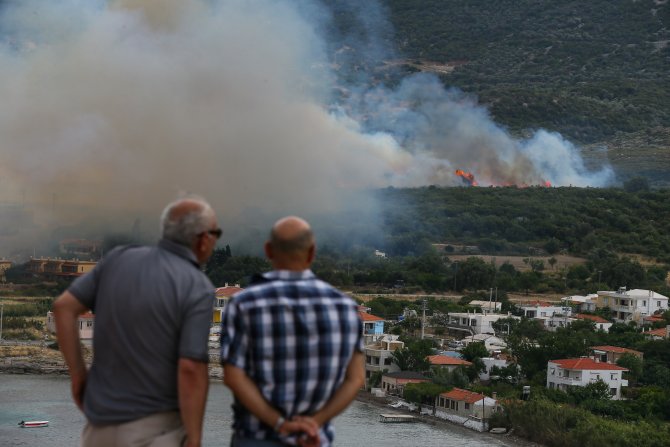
(498, 430)
(33, 424)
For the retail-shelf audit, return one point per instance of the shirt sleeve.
(85, 288)
(195, 327)
(234, 337)
(359, 343)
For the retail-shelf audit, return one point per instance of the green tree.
(634, 365)
(473, 351)
(413, 357)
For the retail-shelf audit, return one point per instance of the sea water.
(36, 397)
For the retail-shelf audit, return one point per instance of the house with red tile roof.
(395, 382)
(611, 354)
(601, 323)
(222, 296)
(372, 325)
(565, 373)
(658, 334)
(446, 362)
(465, 403)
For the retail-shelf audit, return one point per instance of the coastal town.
(473, 366)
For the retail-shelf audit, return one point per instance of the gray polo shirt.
(152, 305)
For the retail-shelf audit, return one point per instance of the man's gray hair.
(181, 224)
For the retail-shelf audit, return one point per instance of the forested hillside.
(529, 220)
(588, 69)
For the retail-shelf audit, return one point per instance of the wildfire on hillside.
(467, 177)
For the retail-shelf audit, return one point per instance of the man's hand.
(193, 384)
(308, 429)
(78, 386)
(67, 309)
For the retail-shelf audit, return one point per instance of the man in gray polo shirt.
(147, 385)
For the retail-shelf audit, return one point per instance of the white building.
(379, 354)
(85, 324)
(584, 303)
(474, 323)
(557, 321)
(600, 323)
(489, 362)
(491, 342)
(562, 374)
(486, 306)
(632, 305)
(544, 310)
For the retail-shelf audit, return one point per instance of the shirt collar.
(289, 275)
(180, 250)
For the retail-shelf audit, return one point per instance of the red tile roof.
(586, 364)
(654, 318)
(661, 332)
(369, 317)
(440, 360)
(594, 318)
(227, 291)
(538, 303)
(616, 349)
(458, 394)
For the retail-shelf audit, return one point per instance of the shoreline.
(382, 403)
(41, 360)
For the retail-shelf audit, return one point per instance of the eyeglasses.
(216, 232)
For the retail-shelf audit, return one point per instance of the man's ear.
(311, 252)
(268, 250)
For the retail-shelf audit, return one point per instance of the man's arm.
(193, 385)
(354, 379)
(248, 394)
(67, 309)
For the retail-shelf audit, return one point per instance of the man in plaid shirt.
(291, 348)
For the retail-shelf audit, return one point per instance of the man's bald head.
(291, 245)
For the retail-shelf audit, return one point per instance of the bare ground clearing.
(562, 261)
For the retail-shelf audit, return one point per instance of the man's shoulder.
(312, 287)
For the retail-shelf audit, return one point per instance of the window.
(658, 304)
(612, 391)
(644, 303)
(467, 406)
(388, 360)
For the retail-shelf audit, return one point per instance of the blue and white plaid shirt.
(294, 336)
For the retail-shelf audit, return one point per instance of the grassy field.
(562, 261)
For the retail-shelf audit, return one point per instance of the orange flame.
(467, 177)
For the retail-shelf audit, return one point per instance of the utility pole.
(483, 411)
(423, 320)
(490, 298)
(2, 308)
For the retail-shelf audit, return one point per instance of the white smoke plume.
(110, 108)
